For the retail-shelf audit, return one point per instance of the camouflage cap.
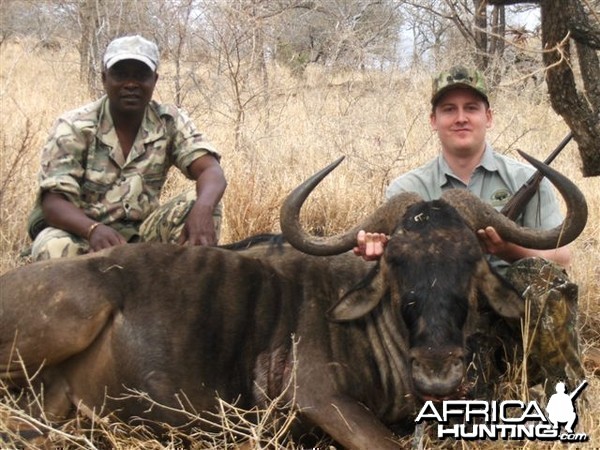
(131, 47)
(458, 77)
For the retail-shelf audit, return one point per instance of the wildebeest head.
(433, 270)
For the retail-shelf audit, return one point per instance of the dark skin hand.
(61, 213)
(199, 227)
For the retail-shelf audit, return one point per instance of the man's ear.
(432, 121)
(490, 117)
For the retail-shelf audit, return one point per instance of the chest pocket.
(154, 163)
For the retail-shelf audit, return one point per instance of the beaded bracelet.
(91, 230)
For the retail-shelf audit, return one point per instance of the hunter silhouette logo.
(472, 420)
(560, 407)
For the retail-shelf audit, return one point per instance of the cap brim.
(115, 59)
(453, 86)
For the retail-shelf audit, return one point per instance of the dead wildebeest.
(373, 339)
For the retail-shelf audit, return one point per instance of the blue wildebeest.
(373, 339)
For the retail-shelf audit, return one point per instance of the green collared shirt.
(494, 180)
(83, 161)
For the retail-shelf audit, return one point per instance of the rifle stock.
(515, 206)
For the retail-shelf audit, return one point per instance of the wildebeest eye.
(410, 297)
(409, 300)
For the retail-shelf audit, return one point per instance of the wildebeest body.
(373, 339)
(186, 328)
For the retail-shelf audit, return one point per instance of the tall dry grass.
(378, 120)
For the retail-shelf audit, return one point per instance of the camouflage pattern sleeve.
(189, 144)
(62, 160)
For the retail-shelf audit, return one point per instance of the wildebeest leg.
(350, 423)
(42, 322)
(56, 402)
(53, 406)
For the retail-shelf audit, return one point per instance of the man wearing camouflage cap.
(104, 165)
(461, 115)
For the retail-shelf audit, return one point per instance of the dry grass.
(378, 120)
(22, 425)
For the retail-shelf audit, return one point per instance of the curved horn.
(480, 215)
(383, 220)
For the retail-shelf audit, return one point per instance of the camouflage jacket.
(83, 161)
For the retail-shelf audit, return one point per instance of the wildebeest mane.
(275, 241)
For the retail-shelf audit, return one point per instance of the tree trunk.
(497, 42)
(480, 33)
(580, 113)
(562, 22)
(90, 57)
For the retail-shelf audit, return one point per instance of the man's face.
(461, 119)
(129, 85)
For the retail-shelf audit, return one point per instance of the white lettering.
(452, 431)
(504, 410)
(533, 412)
(434, 414)
(487, 431)
(459, 411)
(482, 420)
(477, 408)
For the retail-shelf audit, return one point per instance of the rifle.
(519, 200)
(578, 390)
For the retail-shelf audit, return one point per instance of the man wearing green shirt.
(461, 116)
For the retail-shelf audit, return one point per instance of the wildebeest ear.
(503, 298)
(358, 301)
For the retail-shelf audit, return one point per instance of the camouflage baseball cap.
(131, 47)
(458, 76)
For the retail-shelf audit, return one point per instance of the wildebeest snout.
(437, 372)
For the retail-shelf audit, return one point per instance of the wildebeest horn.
(383, 220)
(479, 214)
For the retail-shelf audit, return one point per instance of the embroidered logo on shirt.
(500, 197)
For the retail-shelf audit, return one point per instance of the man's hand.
(199, 228)
(493, 244)
(104, 236)
(370, 245)
(61, 213)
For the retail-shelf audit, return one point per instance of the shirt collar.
(151, 129)
(488, 162)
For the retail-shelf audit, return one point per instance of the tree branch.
(581, 27)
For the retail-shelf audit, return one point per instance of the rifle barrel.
(559, 148)
(578, 389)
(515, 205)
